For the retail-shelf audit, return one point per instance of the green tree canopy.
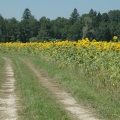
(74, 16)
(26, 14)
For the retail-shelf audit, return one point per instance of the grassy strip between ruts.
(81, 89)
(37, 102)
(2, 71)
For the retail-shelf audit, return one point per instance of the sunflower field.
(93, 56)
(98, 61)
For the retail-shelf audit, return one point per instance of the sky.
(54, 8)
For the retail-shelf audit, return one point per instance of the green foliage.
(44, 29)
(33, 39)
(74, 16)
(27, 14)
(92, 25)
(75, 31)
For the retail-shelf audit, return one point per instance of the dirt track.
(8, 98)
(64, 98)
(8, 106)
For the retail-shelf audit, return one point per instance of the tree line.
(92, 25)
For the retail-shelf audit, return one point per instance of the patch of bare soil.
(8, 107)
(65, 99)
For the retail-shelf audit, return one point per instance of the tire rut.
(8, 98)
(65, 99)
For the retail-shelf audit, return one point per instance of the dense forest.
(92, 25)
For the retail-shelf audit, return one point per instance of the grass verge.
(80, 87)
(2, 71)
(37, 102)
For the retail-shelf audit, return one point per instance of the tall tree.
(44, 29)
(103, 32)
(2, 28)
(27, 26)
(87, 25)
(12, 29)
(74, 16)
(105, 17)
(114, 18)
(58, 26)
(93, 16)
(27, 14)
(98, 18)
(75, 31)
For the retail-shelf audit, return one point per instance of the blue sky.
(54, 8)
